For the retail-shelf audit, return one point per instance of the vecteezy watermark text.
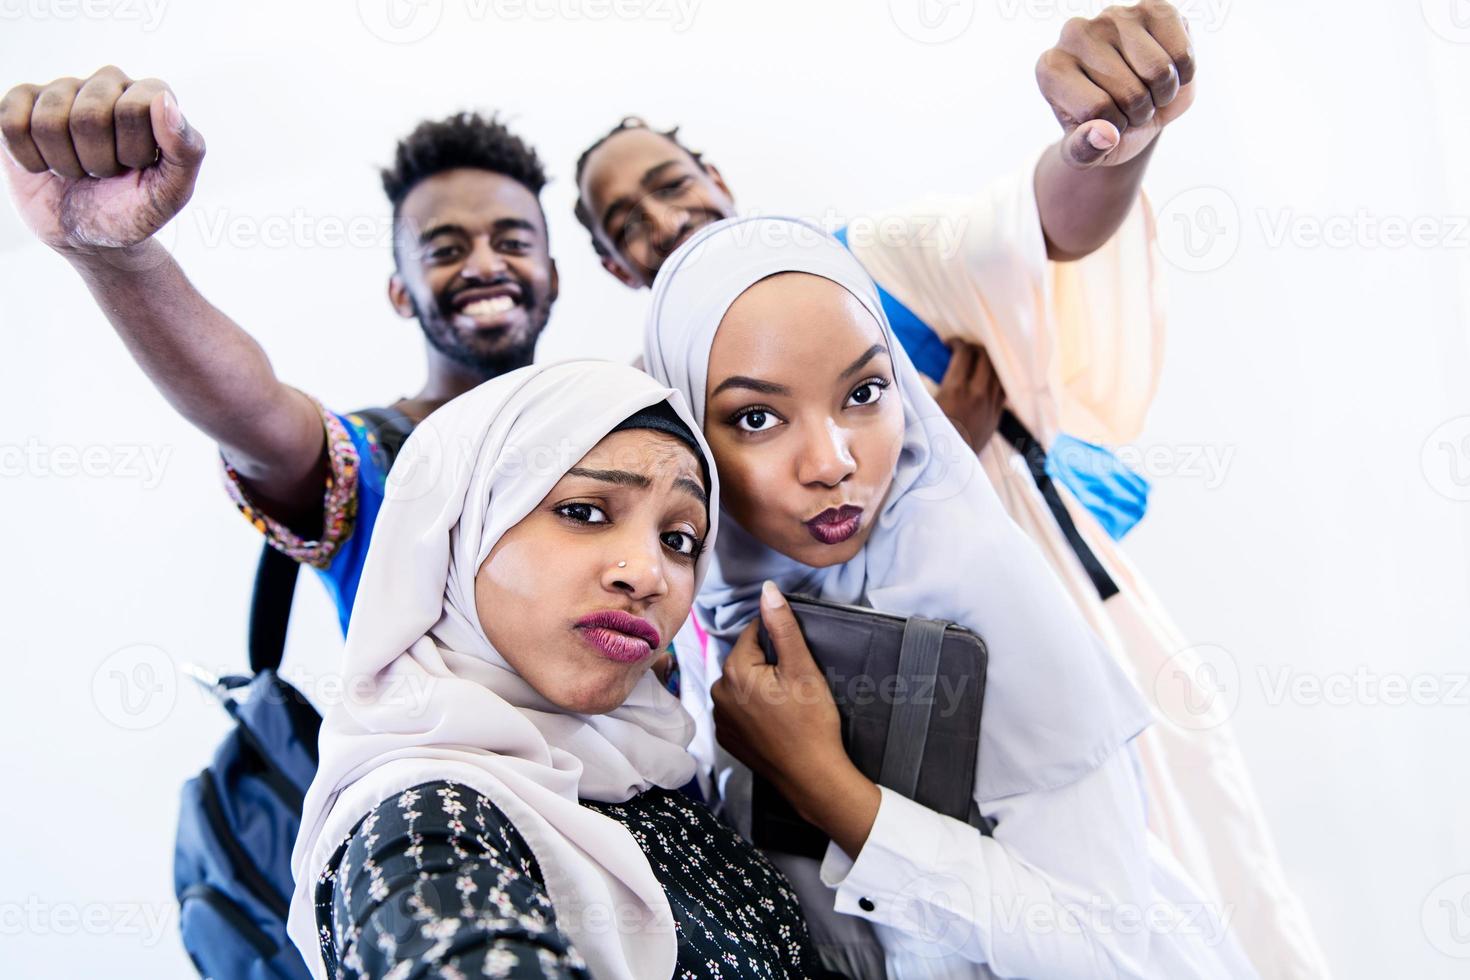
(121, 461)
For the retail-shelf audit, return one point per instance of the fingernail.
(1100, 138)
(771, 596)
(172, 112)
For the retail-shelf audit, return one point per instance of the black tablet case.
(910, 693)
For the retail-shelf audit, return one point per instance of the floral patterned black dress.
(436, 882)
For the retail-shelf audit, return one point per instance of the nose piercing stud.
(622, 564)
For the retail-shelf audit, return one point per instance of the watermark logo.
(1445, 459)
(1448, 19)
(142, 463)
(1199, 229)
(1198, 688)
(949, 468)
(932, 21)
(1363, 229)
(300, 228)
(147, 14)
(400, 21)
(679, 14)
(420, 464)
(410, 21)
(1205, 463)
(149, 922)
(934, 914)
(1363, 687)
(1445, 917)
(135, 688)
(1202, 15)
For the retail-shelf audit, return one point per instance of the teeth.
(494, 306)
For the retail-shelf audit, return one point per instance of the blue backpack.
(239, 818)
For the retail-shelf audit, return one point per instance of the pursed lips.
(619, 635)
(835, 524)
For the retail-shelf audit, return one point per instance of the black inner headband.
(663, 418)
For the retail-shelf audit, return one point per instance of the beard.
(488, 355)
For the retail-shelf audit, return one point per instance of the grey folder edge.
(910, 693)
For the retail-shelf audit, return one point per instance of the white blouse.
(1071, 886)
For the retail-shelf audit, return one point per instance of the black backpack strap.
(270, 608)
(1025, 443)
(276, 573)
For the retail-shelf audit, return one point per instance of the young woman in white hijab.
(843, 479)
(497, 794)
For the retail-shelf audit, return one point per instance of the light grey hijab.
(434, 700)
(1056, 705)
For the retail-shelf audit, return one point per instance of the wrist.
(844, 806)
(92, 260)
(821, 788)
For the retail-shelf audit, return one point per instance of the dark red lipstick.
(618, 635)
(836, 524)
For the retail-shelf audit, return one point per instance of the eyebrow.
(693, 489)
(649, 176)
(500, 224)
(625, 478)
(622, 478)
(771, 388)
(753, 384)
(858, 364)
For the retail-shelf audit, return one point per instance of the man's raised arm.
(1114, 82)
(96, 167)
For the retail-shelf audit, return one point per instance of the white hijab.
(434, 701)
(1056, 705)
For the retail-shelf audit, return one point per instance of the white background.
(1325, 379)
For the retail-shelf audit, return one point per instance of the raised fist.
(98, 164)
(1115, 81)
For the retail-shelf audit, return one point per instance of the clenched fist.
(1115, 81)
(98, 164)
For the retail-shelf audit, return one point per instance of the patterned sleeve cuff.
(339, 502)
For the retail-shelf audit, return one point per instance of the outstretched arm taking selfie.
(96, 167)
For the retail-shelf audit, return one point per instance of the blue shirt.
(345, 571)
